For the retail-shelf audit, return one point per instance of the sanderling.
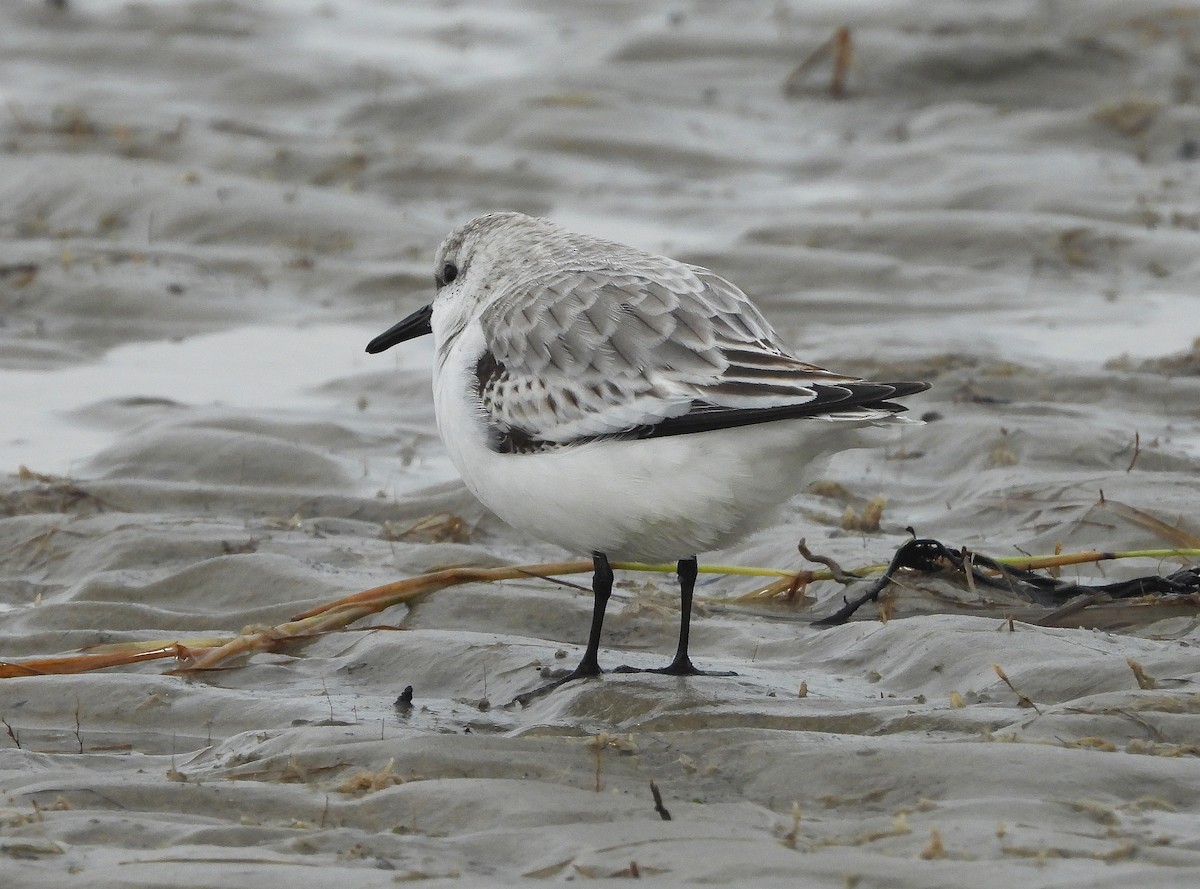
(619, 403)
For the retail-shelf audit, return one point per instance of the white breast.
(654, 500)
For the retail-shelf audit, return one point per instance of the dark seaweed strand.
(930, 556)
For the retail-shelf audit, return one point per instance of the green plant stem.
(1060, 559)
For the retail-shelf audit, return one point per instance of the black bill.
(415, 325)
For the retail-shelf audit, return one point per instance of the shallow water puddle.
(257, 367)
(1108, 330)
(1074, 334)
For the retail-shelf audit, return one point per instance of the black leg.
(682, 665)
(602, 582)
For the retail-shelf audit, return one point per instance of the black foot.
(579, 672)
(675, 668)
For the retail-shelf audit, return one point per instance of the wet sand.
(209, 208)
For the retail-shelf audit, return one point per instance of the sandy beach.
(208, 208)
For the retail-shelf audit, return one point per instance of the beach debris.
(839, 47)
(1093, 743)
(1179, 590)
(404, 701)
(1022, 700)
(32, 851)
(867, 520)
(366, 781)
(1018, 575)
(1130, 118)
(934, 848)
(12, 733)
(658, 803)
(22, 273)
(834, 568)
(1172, 534)
(229, 548)
(1000, 457)
(440, 527)
(603, 741)
(53, 494)
(790, 838)
(1055, 570)
(1137, 451)
(1178, 364)
(1144, 680)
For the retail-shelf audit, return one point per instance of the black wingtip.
(907, 387)
(828, 399)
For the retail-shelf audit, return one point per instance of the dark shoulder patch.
(487, 372)
(503, 438)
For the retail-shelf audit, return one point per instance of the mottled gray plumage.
(587, 338)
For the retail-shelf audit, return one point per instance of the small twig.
(842, 50)
(1173, 534)
(569, 584)
(1022, 700)
(1153, 733)
(658, 803)
(1076, 604)
(968, 570)
(843, 54)
(12, 733)
(834, 568)
(328, 699)
(78, 726)
(173, 774)
(1137, 450)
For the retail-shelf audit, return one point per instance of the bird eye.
(449, 273)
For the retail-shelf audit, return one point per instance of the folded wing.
(652, 349)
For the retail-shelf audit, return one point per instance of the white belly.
(652, 500)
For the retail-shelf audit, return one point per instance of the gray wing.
(585, 354)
